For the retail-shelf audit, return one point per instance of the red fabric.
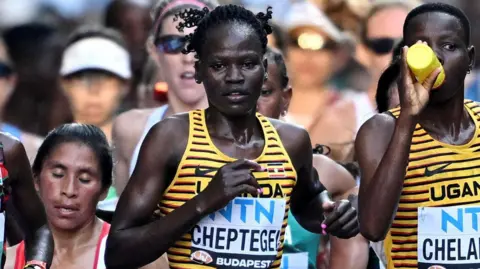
(20, 257)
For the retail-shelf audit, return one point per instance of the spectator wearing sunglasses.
(315, 51)
(177, 70)
(7, 85)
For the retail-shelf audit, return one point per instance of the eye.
(248, 65)
(84, 179)
(449, 46)
(265, 92)
(217, 66)
(58, 173)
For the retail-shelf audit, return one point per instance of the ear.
(125, 89)
(471, 55)
(104, 193)
(265, 64)
(198, 75)
(36, 182)
(286, 97)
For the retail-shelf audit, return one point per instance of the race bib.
(449, 237)
(244, 234)
(295, 261)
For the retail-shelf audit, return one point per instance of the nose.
(234, 75)
(69, 187)
(438, 53)
(188, 59)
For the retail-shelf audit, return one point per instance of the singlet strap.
(156, 116)
(20, 256)
(100, 244)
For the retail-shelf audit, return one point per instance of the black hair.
(84, 134)
(441, 8)
(89, 31)
(205, 20)
(114, 11)
(280, 37)
(276, 57)
(388, 79)
(160, 6)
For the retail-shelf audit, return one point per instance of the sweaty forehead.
(231, 37)
(433, 24)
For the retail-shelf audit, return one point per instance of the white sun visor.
(96, 53)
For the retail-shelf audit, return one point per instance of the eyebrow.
(84, 169)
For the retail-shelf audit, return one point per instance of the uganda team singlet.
(249, 231)
(436, 225)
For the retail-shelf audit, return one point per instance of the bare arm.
(148, 240)
(382, 147)
(38, 238)
(120, 156)
(349, 253)
(305, 203)
(336, 179)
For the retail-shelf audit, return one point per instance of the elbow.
(113, 255)
(372, 232)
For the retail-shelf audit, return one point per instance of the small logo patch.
(201, 257)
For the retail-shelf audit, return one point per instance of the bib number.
(244, 234)
(449, 237)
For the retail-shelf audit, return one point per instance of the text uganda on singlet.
(244, 234)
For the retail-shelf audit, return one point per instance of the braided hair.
(205, 19)
(161, 10)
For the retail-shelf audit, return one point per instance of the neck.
(176, 106)
(448, 116)
(70, 240)
(107, 130)
(239, 129)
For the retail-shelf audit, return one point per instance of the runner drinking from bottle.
(419, 188)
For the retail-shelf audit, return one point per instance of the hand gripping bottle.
(422, 61)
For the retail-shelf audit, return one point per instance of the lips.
(236, 96)
(66, 210)
(187, 75)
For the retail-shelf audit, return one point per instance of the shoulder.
(128, 128)
(11, 145)
(171, 132)
(378, 123)
(295, 140)
(292, 135)
(131, 121)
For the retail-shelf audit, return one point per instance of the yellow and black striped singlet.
(440, 178)
(249, 232)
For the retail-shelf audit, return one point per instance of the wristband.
(35, 265)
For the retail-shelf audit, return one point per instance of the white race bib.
(449, 237)
(295, 261)
(244, 234)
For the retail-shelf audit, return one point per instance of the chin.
(191, 95)
(65, 224)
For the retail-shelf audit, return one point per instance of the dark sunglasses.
(313, 43)
(170, 44)
(5, 70)
(382, 45)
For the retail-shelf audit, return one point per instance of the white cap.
(96, 53)
(306, 14)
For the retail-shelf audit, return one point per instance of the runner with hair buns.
(223, 178)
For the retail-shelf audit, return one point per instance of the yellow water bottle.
(422, 61)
